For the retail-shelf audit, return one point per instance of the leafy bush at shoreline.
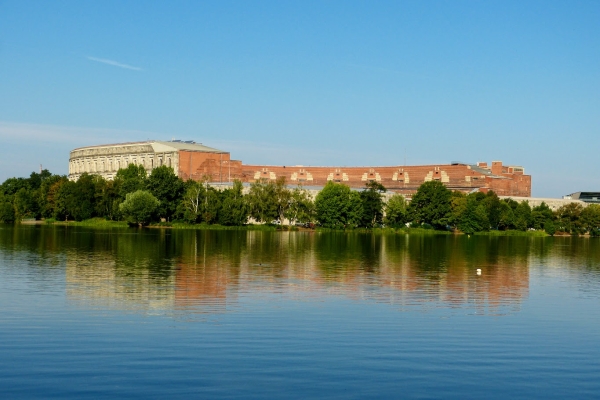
(164, 200)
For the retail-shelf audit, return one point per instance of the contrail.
(114, 63)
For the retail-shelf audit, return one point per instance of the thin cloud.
(114, 63)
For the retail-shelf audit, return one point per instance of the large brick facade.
(194, 161)
(504, 180)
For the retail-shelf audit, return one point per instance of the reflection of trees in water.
(209, 270)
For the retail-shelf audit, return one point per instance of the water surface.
(115, 313)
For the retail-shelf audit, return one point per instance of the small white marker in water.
(478, 271)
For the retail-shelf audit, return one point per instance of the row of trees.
(139, 198)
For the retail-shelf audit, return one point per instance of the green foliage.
(302, 208)
(139, 207)
(523, 219)
(338, 207)
(234, 210)
(263, 201)
(507, 216)
(569, 218)
(474, 218)
(549, 227)
(130, 179)
(540, 215)
(590, 219)
(372, 204)
(396, 212)
(493, 208)
(7, 212)
(166, 186)
(431, 205)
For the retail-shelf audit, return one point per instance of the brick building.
(191, 160)
(504, 180)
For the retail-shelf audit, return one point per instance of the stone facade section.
(187, 159)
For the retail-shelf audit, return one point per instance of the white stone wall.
(107, 160)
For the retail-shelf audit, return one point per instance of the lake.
(157, 313)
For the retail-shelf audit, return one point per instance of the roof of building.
(588, 197)
(161, 146)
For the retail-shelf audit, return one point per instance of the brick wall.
(402, 179)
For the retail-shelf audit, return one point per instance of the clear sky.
(310, 83)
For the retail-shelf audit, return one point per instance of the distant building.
(587, 197)
(191, 160)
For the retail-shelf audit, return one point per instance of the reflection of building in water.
(99, 281)
(209, 276)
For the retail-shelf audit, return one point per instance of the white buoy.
(478, 271)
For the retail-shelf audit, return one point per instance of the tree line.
(141, 199)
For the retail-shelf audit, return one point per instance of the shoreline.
(99, 223)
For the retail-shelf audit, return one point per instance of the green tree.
(130, 179)
(107, 198)
(458, 206)
(475, 217)
(234, 210)
(431, 205)
(396, 211)
(262, 201)
(590, 219)
(569, 218)
(193, 201)
(166, 186)
(523, 219)
(549, 227)
(24, 204)
(372, 204)
(540, 214)
(507, 216)
(301, 208)
(139, 207)
(493, 208)
(7, 212)
(47, 194)
(338, 207)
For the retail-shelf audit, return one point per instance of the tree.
(262, 201)
(522, 214)
(395, 211)
(130, 179)
(338, 207)
(569, 218)
(301, 207)
(474, 218)
(166, 186)
(47, 196)
(493, 208)
(507, 216)
(431, 205)
(234, 210)
(458, 206)
(549, 227)
(590, 219)
(372, 204)
(193, 200)
(7, 212)
(139, 207)
(540, 214)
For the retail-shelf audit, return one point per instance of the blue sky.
(311, 83)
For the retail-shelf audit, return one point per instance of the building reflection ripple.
(214, 271)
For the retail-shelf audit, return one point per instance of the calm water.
(233, 314)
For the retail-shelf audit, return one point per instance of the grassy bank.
(513, 233)
(102, 223)
(94, 222)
